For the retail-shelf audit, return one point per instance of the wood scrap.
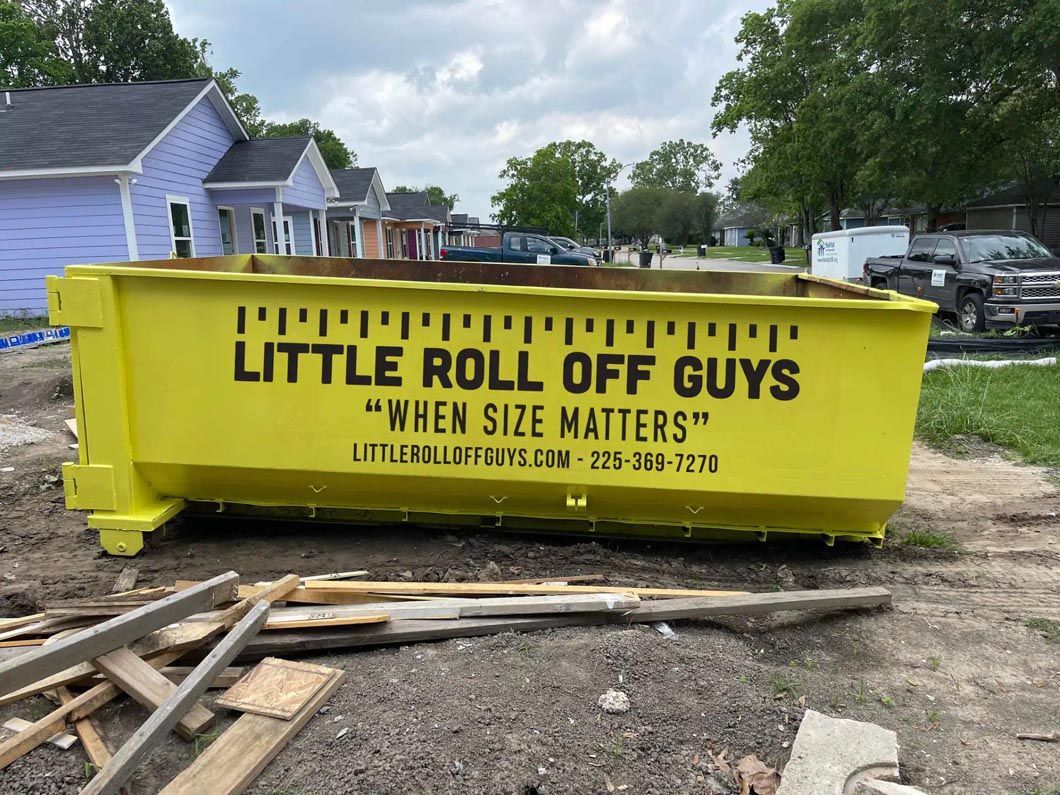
(150, 688)
(1052, 737)
(338, 575)
(171, 642)
(91, 740)
(178, 673)
(275, 687)
(52, 658)
(411, 631)
(71, 425)
(19, 621)
(55, 721)
(60, 740)
(339, 621)
(124, 763)
(501, 589)
(14, 644)
(238, 756)
(126, 580)
(229, 616)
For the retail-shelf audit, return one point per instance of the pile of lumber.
(85, 653)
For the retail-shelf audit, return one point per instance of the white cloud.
(444, 93)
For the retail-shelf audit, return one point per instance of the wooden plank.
(567, 579)
(12, 644)
(176, 640)
(91, 740)
(238, 756)
(55, 721)
(279, 688)
(126, 580)
(150, 688)
(394, 610)
(120, 769)
(342, 621)
(502, 589)
(178, 673)
(49, 625)
(412, 631)
(19, 621)
(337, 575)
(229, 616)
(60, 740)
(109, 635)
(71, 424)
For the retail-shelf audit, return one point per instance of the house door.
(410, 237)
(288, 241)
(226, 217)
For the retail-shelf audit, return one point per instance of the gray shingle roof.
(259, 160)
(1011, 196)
(91, 125)
(354, 183)
(415, 206)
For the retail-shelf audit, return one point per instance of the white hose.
(935, 364)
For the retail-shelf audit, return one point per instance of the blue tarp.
(25, 339)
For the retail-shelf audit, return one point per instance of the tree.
(117, 41)
(635, 212)
(435, 194)
(336, 153)
(246, 106)
(679, 165)
(28, 55)
(593, 174)
(541, 190)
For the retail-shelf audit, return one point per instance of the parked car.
(569, 245)
(519, 247)
(985, 277)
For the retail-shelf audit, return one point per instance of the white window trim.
(235, 235)
(282, 240)
(265, 228)
(170, 201)
(314, 223)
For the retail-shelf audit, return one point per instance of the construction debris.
(84, 653)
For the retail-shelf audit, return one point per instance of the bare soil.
(953, 668)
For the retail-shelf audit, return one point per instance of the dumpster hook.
(312, 511)
(220, 506)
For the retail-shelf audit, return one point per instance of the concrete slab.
(832, 756)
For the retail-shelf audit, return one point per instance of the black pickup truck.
(985, 277)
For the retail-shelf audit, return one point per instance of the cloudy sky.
(444, 93)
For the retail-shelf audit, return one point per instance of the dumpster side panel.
(679, 410)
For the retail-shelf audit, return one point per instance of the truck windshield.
(983, 248)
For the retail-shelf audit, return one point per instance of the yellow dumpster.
(665, 404)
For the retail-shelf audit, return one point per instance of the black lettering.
(399, 412)
(713, 388)
(436, 364)
(568, 422)
(353, 378)
(242, 374)
(660, 427)
(783, 370)
(606, 371)
(495, 381)
(293, 351)
(522, 376)
(327, 353)
(470, 377)
(459, 417)
(386, 363)
(580, 384)
(490, 414)
(687, 379)
(537, 421)
(755, 374)
(680, 432)
(637, 372)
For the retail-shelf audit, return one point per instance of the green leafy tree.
(435, 194)
(117, 41)
(246, 106)
(680, 165)
(336, 154)
(593, 173)
(635, 212)
(28, 55)
(541, 190)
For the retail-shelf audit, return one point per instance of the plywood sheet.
(277, 688)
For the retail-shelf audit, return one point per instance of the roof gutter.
(83, 171)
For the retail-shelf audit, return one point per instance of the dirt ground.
(952, 668)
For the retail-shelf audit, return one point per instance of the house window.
(261, 242)
(351, 239)
(389, 243)
(180, 226)
(287, 241)
(318, 249)
(226, 218)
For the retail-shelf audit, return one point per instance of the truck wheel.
(970, 314)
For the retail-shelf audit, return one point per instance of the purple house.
(133, 171)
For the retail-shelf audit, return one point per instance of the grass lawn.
(741, 253)
(9, 324)
(1017, 407)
